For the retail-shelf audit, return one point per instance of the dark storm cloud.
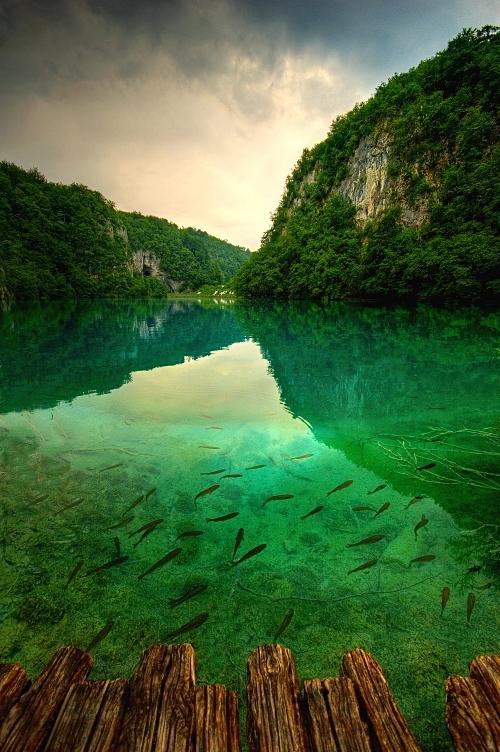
(76, 40)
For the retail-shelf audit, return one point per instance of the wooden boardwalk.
(160, 709)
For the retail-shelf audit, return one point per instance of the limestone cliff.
(149, 264)
(401, 199)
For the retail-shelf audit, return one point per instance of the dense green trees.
(190, 255)
(442, 120)
(61, 241)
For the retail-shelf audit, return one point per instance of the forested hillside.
(190, 255)
(401, 200)
(60, 241)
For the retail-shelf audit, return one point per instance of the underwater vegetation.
(305, 523)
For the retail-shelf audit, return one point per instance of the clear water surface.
(103, 402)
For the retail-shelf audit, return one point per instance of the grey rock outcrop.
(371, 189)
(149, 265)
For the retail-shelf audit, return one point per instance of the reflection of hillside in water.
(62, 350)
(385, 385)
(344, 361)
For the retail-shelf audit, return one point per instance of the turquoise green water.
(103, 402)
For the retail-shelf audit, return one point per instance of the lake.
(383, 422)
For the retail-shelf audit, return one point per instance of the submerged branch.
(333, 600)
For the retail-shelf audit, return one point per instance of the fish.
(74, 571)
(116, 541)
(39, 499)
(428, 466)
(301, 457)
(445, 594)
(149, 493)
(135, 503)
(207, 491)
(71, 505)
(238, 540)
(382, 508)
(188, 626)
(147, 526)
(187, 595)
(420, 524)
(313, 511)
(366, 565)
(471, 599)
(255, 467)
(278, 497)
(215, 472)
(111, 467)
(122, 523)
(189, 534)
(207, 446)
(232, 475)
(249, 554)
(364, 508)
(108, 565)
(485, 586)
(214, 428)
(422, 559)
(474, 569)
(414, 501)
(345, 484)
(100, 636)
(377, 488)
(171, 555)
(145, 534)
(284, 624)
(367, 541)
(223, 518)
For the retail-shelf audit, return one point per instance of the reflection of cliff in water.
(364, 376)
(62, 350)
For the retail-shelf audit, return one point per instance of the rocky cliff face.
(371, 189)
(367, 184)
(149, 265)
(400, 200)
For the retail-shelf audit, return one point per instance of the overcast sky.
(197, 110)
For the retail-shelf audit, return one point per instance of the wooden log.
(160, 710)
(89, 719)
(29, 720)
(274, 722)
(333, 717)
(387, 726)
(216, 723)
(13, 682)
(472, 720)
(486, 670)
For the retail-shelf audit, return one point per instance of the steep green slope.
(60, 241)
(191, 257)
(401, 200)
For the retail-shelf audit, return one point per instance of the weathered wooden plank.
(28, 722)
(333, 718)
(13, 682)
(472, 720)
(216, 724)
(89, 719)
(387, 726)
(275, 722)
(486, 670)
(160, 710)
